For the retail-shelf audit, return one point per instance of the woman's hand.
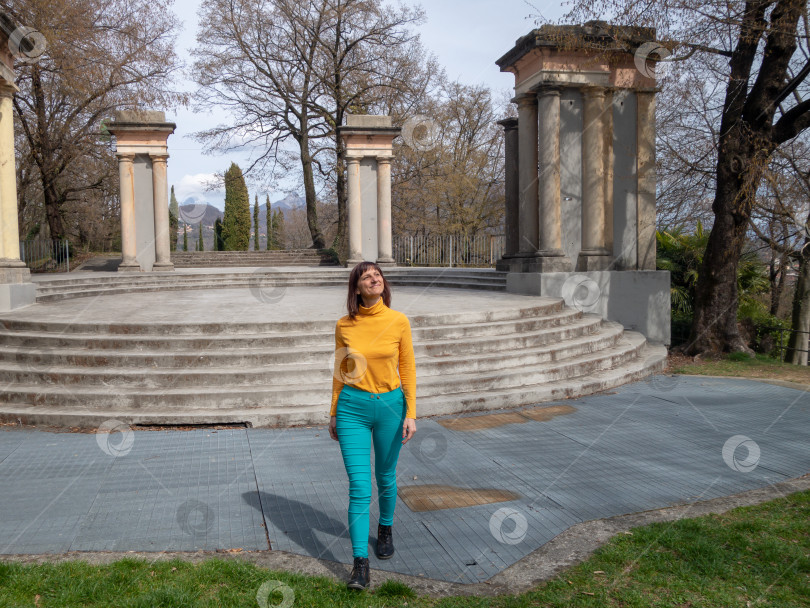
(333, 427)
(408, 429)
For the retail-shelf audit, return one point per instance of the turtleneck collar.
(375, 309)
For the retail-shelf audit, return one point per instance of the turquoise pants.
(362, 417)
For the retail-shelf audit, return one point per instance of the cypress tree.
(174, 214)
(200, 241)
(218, 245)
(256, 223)
(268, 218)
(185, 237)
(278, 229)
(236, 223)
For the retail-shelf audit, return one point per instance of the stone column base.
(543, 262)
(387, 262)
(352, 262)
(509, 264)
(158, 266)
(593, 260)
(135, 267)
(16, 288)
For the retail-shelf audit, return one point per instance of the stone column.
(9, 226)
(527, 176)
(608, 183)
(645, 146)
(160, 196)
(384, 245)
(128, 244)
(512, 190)
(355, 210)
(593, 254)
(551, 257)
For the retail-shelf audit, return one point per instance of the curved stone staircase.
(279, 373)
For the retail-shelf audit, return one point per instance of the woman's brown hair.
(354, 300)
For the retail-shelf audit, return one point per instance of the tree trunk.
(340, 243)
(309, 191)
(740, 164)
(797, 344)
(44, 159)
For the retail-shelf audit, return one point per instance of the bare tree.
(102, 55)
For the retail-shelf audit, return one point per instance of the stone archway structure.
(16, 288)
(140, 145)
(369, 152)
(580, 174)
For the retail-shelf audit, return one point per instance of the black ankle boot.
(360, 575)
(385, 542)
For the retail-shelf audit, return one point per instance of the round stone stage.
(161, 350)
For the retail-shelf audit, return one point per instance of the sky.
(467, 37)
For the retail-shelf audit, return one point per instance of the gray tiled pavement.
(646, 445)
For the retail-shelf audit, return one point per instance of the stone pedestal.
(369, 151)
(142, 154)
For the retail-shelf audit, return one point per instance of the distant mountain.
(192, 212)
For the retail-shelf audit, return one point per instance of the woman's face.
(370, 286)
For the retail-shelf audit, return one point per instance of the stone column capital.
(594, 91)
(525, 100)
(125, 157)
(385, 159)
(7, 89)
(548, 90)
(509, 124)
(158, 158)
(352, 159)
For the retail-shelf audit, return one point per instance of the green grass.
(758, 554)
(740, 364)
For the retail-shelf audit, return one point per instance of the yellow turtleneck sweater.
(368, 350)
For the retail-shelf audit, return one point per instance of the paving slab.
(636, 448)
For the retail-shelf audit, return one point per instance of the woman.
(371, 402)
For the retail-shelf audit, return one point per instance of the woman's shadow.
(282, 511)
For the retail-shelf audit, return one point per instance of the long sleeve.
(407, 368)
(337, 384)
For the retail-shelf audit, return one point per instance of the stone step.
(40, 358)
(651, 359)
(306, 336)
(170, 278)
(88, 292)
(254, 371)
(541, 306)
(223, 396)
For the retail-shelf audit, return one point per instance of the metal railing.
(782, 347)
(46, 255)
(481, 250)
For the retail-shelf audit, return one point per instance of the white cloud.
(196, 186)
